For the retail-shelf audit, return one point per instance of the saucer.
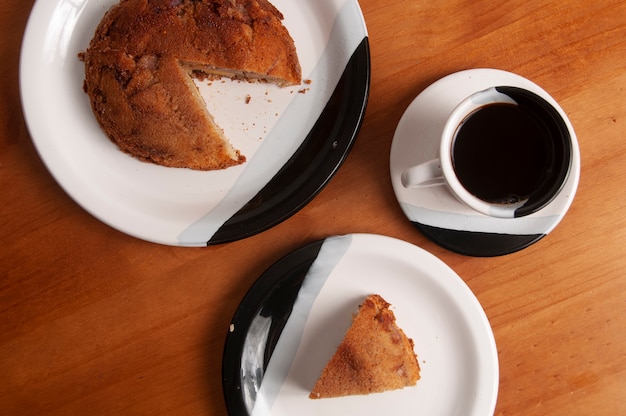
(435, 211)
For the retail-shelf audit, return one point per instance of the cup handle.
(423, 175)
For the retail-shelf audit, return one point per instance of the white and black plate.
(434, 210)
(292, 319)
(295, 138)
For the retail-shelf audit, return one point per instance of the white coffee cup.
(505, 152)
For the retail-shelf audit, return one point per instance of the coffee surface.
(502, 153)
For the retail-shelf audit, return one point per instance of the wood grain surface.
(94, 322)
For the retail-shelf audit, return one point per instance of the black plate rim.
(477, 244)
(287, 273)
(317, 160)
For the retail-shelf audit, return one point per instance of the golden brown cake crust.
(374, 356)
(139, 62)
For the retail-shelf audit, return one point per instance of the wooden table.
(94, 322)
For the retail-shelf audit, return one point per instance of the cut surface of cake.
(374, 356)
(140, 64)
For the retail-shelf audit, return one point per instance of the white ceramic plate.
(294, 142)
(294, 316)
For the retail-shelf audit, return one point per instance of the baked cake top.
(139, 64)
(374, 356)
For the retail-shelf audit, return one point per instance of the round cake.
(140, 63)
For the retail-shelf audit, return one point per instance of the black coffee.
(502, 153)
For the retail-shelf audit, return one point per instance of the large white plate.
(294, 316)
(294, 142)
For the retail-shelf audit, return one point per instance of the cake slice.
(374, 356)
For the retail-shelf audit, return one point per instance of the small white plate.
(294, 316)
(434, 210)
(294, 142)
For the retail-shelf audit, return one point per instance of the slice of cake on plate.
(374, 356)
